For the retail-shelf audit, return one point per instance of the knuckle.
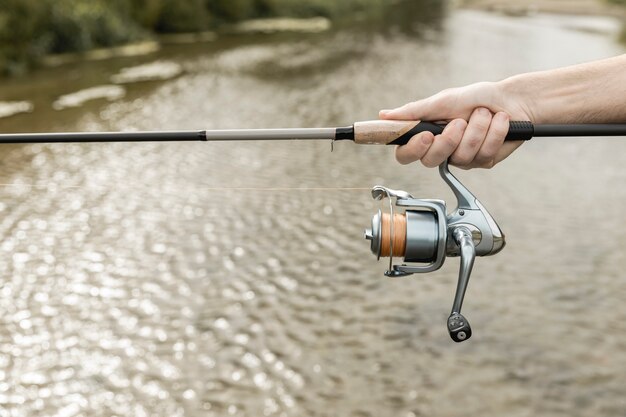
(486, 153)
(428, 163)
(482, 111)
(466, 166)
(461, 160)
(489, 164)
(449, 141)
(483, 159)
(473, 141)
(415, 156)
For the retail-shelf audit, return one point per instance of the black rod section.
(176, 136)
(344, 133)
(519, 130)
(581, 130)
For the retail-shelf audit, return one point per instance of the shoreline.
(249, 26)
(566, 7)
(505, 7)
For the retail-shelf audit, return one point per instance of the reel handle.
(458, 326)
(398, 132)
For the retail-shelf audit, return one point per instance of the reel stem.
(463, 237)
(458, 326)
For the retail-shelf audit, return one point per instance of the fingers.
(473, 138)
(506, 150)
(503, 153)
(415, 148)
(479, 143)
(432, 150)
(445, 144)
(494, 148)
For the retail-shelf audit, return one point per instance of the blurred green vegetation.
(31, 29)
(621, 3)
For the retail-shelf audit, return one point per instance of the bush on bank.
(30, 29)
(621, 3)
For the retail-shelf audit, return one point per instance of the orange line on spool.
(399, 235)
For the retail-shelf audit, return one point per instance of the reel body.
(424, 234)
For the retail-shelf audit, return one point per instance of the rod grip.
(399, 132)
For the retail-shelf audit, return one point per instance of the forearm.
(594, 92)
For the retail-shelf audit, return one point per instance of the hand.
(478, 117)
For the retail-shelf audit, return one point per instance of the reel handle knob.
(459, 328)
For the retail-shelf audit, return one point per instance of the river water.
(134, 284)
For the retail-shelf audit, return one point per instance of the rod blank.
(75, 137)
(272, 134)
(172, 136)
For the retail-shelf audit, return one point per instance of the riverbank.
(33, 29)
(577, 7)
(55, 30)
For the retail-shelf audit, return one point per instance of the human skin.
(479, 114)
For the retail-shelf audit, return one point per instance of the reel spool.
(424, 235)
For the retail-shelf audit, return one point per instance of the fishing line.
(269, 189)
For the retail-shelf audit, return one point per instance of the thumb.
(416, 110)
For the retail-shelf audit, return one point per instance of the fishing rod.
(381, 132)
(421, 231)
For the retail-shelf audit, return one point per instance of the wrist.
(543, 97)
(584, 93)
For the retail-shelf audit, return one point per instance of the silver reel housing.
(431, 235)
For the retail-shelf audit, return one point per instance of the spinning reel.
(424, 235)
